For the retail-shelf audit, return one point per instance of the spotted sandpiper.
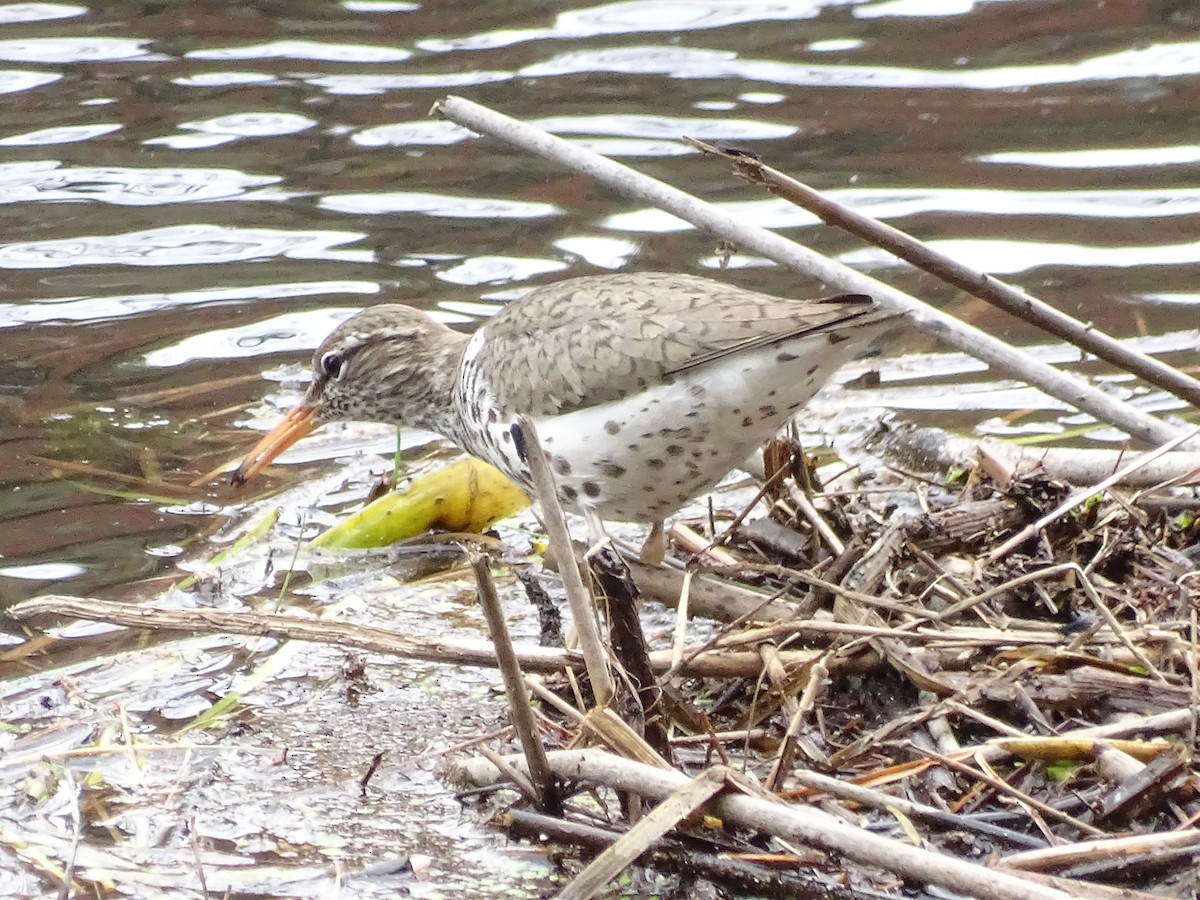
(645, 389)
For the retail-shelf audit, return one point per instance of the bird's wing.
(604, 338)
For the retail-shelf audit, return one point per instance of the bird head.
(389, 363)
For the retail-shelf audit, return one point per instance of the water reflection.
(50, 180)
(225, 79)
(926, 9)
(640, 16)
(1159, 61)
(601, 252)
(147, 309)
(1112, 157)
(499, 270)
(419, 133)
(640, 125)
(224, 129)
(678, 62)
(1002, 257)
(54, 571)
(365, 85)
(14, 80)
(62, 134)
(288, 333)
(93, 309)
(995, 143)
(181, 245)
(11, 13)
(901, 203)
(77, 50)
(437, 205)
(379, 6)
(312, 50)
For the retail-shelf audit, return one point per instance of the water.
(191, 195)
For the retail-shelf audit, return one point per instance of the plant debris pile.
(918, 669)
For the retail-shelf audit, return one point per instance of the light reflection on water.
(51, 180)
(1013, 257)
(1174, 60)
(1106, 158)
(213, 193)
(77, 50)
(437, 205)
(65, 134)
(637, 17)
(88, 309)
(314, 50)
(905, 202)
(181, 245)
(288, 333)
(193, 195)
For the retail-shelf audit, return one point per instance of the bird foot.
(654, 550)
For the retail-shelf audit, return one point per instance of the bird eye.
(331, 364)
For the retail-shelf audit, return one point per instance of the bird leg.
(654, 550)
(597, 537)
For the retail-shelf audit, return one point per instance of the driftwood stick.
(925, 448)
(740, 877)
(285, 626)
(1118, 852)
(1078, 498)
(794, 823)
(1008, 298)
(578, 596)
(523, 720)
(641, 837)
(856, 793)
(1067, 387)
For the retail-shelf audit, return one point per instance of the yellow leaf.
(468, 495)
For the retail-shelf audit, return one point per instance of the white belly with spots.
(643, 457)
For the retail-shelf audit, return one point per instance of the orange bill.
(295, 425)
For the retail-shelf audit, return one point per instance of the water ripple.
(648, 126)
(315, 50)
(627, 147)
(1100, 158)
(379, 6)
(96, 309)
(51, 181)
(226, 79)
(38, 12)
(407, 134)
(893, 203)
(637, 17)
(73, 50)
(233, 127)
(1174, 299)
(253, 124)
(15, 80)
(918, 8)
(602, 252)
(63, 134)
(181, 245)
(55, 571)
(681, 62)
(1157, 61)
(365, 85)
(287, 333)
(499, 269)
(673, 15)
(438, 205)
(1000, 257)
